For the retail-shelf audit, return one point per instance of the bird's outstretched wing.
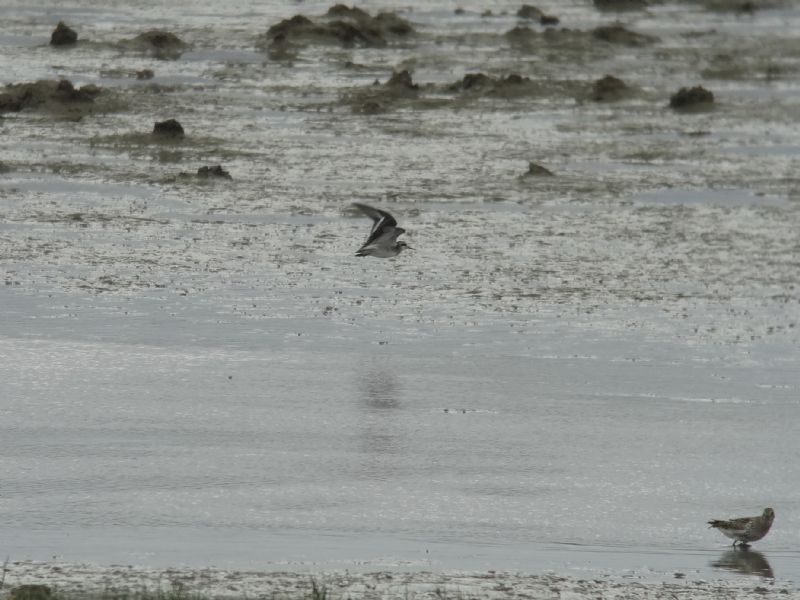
(380, 220)
(383, 224)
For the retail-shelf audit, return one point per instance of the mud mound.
(161, 44)
(512, 85)
(619, 5)
(609, 89)
(622, 36)
(738, 6)
(60, 98)
(696, 98)
(536, 170)
(401, 81)
(213, 172)
(560, 44)
(526, 11)
(341, 25)
(168, 129)
(63, 35)
(378, 97)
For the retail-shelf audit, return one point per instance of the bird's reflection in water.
(379, 390)
(380, 393)
(744, 560)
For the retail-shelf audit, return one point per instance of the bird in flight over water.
(745, 529)
(382, 241)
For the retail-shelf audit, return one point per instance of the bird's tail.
(715, 523)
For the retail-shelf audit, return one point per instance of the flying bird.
(382, 241)
(745, 529)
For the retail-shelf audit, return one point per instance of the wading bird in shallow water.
(382, 241)
(745, 529)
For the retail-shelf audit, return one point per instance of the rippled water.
(570, 372)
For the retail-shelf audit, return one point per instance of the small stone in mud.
(535, 170)
(459, 11)
(145, 74)
(63, 35)
(608, 89)
(618, 34)
(696, 97)
(168, 128)
(215, 171)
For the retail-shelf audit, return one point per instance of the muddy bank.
(81, 579)
(341, 25)
(401, 91)
(57, 98)
(160, 44)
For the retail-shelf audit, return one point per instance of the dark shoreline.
(68, 580)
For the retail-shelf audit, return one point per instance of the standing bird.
(382, 241)
(745, 529)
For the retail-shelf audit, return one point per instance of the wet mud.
(212, 583)
(604, 216)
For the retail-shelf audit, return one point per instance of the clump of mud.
(737, 6)
(63, 35)
(170, 129)
(378, 98)
(161, 44)
(620, 35)
(205, 174)
(569, 45)
(619, 5)
(341, 25)
(512, 85)
(400, 90)
(537, 170)
(610, 89)
(696, 98)
(213, 172)
(58, 98)
(526, 11)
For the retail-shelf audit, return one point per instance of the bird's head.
(769, 514)
(403, 246)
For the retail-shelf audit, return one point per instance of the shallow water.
(569, 373)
